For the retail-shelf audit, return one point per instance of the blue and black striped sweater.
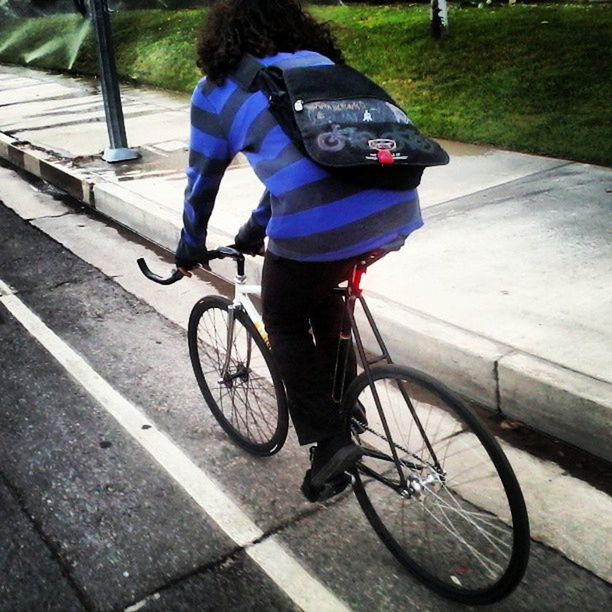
(308, 214)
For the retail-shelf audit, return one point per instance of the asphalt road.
(89, 517)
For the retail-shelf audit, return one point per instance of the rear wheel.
(246, 395)
(437, 487)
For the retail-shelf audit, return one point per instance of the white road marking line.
(276, 561)
(305, 590)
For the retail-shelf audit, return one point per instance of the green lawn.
(528, 78)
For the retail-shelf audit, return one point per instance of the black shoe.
(331, 487)
(332, 457)
(359, 419)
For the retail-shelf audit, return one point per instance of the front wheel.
(244, 392)
(437, 487)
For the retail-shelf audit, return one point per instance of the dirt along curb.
(545, 396)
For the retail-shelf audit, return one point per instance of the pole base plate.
(113, 156)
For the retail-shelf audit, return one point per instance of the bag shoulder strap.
(247, 71)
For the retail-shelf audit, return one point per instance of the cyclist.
(317, 225)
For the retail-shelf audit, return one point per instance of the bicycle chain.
(372, 431)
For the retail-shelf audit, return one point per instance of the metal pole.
(118, 150)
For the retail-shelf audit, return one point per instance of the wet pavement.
(503, 294)
(96, 523)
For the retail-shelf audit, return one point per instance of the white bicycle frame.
(242, 300)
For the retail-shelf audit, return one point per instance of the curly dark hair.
(262, 28)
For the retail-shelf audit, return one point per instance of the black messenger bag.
(345, 123)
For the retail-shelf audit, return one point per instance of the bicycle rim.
(247, 398)
(437, 488)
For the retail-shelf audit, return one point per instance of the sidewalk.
(504, 294)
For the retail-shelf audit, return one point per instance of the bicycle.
(434, 484)
(338, 138)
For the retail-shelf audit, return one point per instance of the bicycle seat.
(373, 256)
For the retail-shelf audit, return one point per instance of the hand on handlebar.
(188, 257)
(186, 271)
(250, 238)
(182, 271)
(259, 249)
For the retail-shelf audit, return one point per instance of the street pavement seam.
(63, 567)
(280, 565)
(177, 580)
(41, 287)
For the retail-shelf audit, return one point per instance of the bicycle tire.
(445, 506)
(250, 403)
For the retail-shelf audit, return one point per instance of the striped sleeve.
(261, 215)
(209, 156)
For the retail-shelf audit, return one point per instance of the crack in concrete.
(299, 517)
(43, 288)
(497, 386)
(235, 553)
(64, 214)
(200, 569)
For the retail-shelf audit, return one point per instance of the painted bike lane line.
(274, 559)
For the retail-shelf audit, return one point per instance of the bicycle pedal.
(357, 428)
(332, 487)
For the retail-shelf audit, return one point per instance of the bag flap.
(345, 120)
(317, 82)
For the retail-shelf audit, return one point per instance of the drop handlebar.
(176, 275)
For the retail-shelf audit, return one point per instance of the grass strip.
(526, 78)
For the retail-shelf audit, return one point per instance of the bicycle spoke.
(459, 510)
(258, 407)
(452, 520)
(449, 527)
(248, 413)
(243, 389)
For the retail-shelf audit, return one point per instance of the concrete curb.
(545, 396)
(38, 164)
(557, 401)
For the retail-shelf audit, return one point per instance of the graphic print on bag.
(328, 118)
(346, 123)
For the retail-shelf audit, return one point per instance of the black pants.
(297, 298)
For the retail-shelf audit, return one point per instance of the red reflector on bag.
(385, 157)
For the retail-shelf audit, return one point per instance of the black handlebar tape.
(173, 278)
(176, 275)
